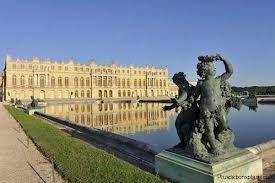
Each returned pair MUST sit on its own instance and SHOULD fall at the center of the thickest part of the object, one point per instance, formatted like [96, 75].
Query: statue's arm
[182, 97]
[228, 69]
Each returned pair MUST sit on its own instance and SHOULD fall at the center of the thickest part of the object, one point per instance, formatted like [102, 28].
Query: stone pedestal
[241, 167]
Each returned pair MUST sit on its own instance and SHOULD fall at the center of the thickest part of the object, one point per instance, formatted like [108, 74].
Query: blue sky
[156, 32]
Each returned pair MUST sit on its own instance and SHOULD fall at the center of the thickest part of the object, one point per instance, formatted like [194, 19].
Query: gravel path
[20, 161]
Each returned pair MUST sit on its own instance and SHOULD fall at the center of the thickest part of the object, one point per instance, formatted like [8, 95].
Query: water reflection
[121, 118]
[148, 123]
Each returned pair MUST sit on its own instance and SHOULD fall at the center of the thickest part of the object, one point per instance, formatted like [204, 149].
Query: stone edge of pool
[134, 144]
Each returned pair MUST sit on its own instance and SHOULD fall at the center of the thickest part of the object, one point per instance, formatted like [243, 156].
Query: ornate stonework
[45, 79]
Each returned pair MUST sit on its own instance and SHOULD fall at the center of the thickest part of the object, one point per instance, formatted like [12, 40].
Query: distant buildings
[47, 79]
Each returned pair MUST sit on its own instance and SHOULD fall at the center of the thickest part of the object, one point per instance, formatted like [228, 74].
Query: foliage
[257, 90]
[75, 159]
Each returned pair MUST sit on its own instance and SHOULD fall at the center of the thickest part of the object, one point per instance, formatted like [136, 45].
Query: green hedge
[75, 159]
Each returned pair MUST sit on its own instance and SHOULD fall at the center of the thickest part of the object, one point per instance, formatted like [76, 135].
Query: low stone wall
[260, 148]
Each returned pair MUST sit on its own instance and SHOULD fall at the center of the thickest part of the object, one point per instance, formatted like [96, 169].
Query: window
[30, 81]
[42, 81]
[128, 82]
[76, 94]
[109, 81]
[105, 93]
[123, 82]
[99, 81]
[88, 82]
[82, 82]
[100, 94]
[76, 82]
[66, 82]
[118, 82]
[105, 81]
[22, 81]
[52, 82]
[88, 94]
[95, 80]
[59, 82]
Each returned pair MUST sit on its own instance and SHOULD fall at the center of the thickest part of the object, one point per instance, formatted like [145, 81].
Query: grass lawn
[75, 159]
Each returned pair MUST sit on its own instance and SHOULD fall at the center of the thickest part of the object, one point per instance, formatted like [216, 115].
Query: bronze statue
[18, 102]
[34, 103]
[202, 124]
[189, 109]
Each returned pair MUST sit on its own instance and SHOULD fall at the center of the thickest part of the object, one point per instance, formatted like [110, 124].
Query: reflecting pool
[147, 122]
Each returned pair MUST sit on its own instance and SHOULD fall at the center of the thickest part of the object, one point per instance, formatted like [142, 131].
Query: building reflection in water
[120, 118]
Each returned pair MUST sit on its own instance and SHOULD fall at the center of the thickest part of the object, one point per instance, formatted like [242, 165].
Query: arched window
[139, 82]
[124, 93]
[135, 82]
[76, 82]
[52, 82]
[88, 82]
[119, 93]
[14, 80]
[82, 94]
[42, 81]
[22, 81]
[81, 82]
[160, 83]
[59, 82]
[99, 93]
[66, 82]
[110, 93]
[88, 94]
[129, 93]
[30, 81]
[76, 94]
[105, 93]
[164, 83]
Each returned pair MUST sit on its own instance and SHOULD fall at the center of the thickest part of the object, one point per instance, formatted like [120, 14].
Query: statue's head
[179, 78]
[206, 69]
[32, 97]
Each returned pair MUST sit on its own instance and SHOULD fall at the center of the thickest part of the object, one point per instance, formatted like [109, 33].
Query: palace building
[52, 80]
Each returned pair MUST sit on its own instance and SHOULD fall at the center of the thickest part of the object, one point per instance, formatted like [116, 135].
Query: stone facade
[47, 79]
